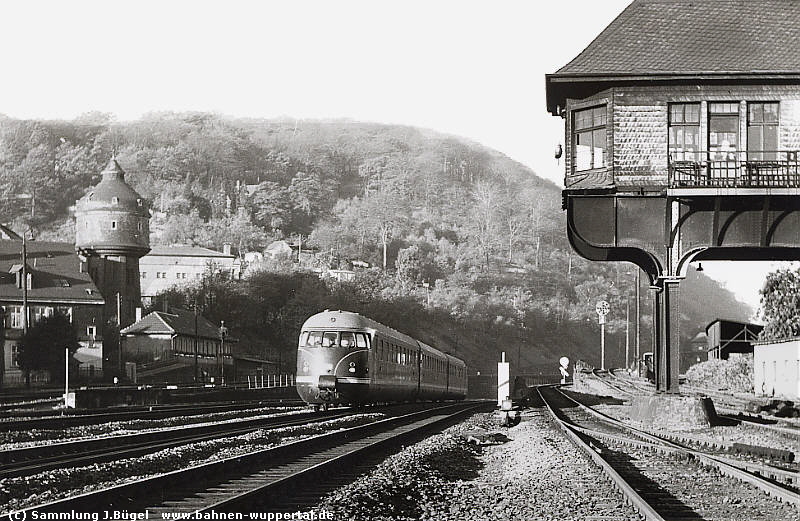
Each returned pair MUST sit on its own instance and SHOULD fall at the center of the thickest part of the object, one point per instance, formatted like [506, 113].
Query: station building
[172, 345]
[58, 282]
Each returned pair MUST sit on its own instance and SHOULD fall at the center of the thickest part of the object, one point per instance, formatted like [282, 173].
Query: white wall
[776, 369]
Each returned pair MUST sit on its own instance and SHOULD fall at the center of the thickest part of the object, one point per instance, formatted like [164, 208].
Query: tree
[387, 215]
[780, 305]
[484, 224]
[409, 265]
[42, 347]
[271, 206]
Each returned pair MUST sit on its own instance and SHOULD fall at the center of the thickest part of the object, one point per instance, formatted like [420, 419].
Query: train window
[361, 341]
[329, 338]
[304, 338]
[347, 339]
[314, 339]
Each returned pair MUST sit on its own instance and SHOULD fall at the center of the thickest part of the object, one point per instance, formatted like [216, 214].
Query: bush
[734, 374]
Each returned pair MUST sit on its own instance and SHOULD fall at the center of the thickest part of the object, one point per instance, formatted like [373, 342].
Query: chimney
[226, 248]
[81, 267]
[138, 314]
[165, 305]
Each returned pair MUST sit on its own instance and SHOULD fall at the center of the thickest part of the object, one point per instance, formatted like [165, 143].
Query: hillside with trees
[467, 247]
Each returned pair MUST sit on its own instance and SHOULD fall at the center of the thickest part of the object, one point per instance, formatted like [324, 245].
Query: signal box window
[590, 138]
[723, 130]
[684, 131]
[762, 131]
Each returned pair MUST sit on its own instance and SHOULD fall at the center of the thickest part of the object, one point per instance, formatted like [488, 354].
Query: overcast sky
[474, 69]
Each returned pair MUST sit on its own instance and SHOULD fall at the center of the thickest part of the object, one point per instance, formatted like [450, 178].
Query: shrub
[734, 374]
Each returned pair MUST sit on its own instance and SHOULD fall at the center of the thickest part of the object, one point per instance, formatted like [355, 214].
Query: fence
[742, 169]
[270, 380]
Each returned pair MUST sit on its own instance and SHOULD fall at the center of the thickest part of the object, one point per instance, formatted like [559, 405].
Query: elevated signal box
[682, 143]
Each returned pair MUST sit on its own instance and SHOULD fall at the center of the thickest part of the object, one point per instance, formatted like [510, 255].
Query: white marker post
[602, 309]
[503, 380]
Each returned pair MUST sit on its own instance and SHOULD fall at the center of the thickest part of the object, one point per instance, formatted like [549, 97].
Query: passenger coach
[346, 358]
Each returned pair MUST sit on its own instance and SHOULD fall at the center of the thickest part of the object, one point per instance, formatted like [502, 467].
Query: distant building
[168, 266]
[728, 338]
[164, 346]
[58, 282]
[279, 250]
[340, 275]
[695, 352]
[776, 369]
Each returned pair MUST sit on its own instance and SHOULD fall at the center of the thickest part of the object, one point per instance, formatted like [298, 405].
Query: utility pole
[627, 331]
[638, 320]
[195, 341]
[66, 377]
[119, 334]
[24, 283]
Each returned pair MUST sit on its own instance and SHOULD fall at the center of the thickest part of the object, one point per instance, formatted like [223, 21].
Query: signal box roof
[671, 39]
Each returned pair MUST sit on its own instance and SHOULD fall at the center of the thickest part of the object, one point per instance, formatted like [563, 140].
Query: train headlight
[352, 367]
[305, 367]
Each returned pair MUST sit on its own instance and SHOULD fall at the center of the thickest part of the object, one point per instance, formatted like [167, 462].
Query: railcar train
[347, 358]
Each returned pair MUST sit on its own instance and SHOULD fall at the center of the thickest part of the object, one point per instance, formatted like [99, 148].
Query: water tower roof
[112, 192]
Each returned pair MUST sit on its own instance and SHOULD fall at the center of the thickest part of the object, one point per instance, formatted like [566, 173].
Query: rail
[734, 169]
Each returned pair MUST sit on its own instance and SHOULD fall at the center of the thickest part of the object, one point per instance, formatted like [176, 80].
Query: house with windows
[168, 266]
[175, 346]
[57, 282]
[681, 143]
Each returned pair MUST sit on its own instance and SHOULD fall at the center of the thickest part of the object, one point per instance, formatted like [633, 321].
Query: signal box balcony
[734, 169]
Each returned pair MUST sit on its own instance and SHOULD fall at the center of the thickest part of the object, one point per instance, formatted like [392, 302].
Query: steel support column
[667, 356]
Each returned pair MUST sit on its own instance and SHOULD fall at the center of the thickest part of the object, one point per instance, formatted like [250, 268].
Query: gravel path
[536, 475]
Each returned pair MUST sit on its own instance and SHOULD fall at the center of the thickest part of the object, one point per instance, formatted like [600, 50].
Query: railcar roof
[431, 351]
[349, 320]
[455, 361]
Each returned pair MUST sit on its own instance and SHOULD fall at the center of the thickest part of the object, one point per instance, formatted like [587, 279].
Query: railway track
[665, 480]
[784, 428]
[31, 460]
[259, 479]
[50, 420]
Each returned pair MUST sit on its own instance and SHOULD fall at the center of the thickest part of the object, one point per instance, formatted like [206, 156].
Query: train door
[418, 365]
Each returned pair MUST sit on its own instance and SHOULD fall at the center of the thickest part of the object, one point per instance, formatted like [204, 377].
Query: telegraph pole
[24, 283]
[627, 331]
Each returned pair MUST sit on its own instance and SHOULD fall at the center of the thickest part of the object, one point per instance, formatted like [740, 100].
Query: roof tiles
[55, 270]
[695, 36]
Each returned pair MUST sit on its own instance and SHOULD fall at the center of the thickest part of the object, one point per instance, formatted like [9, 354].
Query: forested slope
[483, 231]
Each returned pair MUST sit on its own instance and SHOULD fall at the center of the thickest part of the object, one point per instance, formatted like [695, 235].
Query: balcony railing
[736, 169]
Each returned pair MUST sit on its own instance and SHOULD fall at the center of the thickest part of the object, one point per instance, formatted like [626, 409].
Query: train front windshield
[346, 339]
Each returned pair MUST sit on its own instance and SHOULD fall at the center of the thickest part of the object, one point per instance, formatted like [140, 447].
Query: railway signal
[602, 308]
